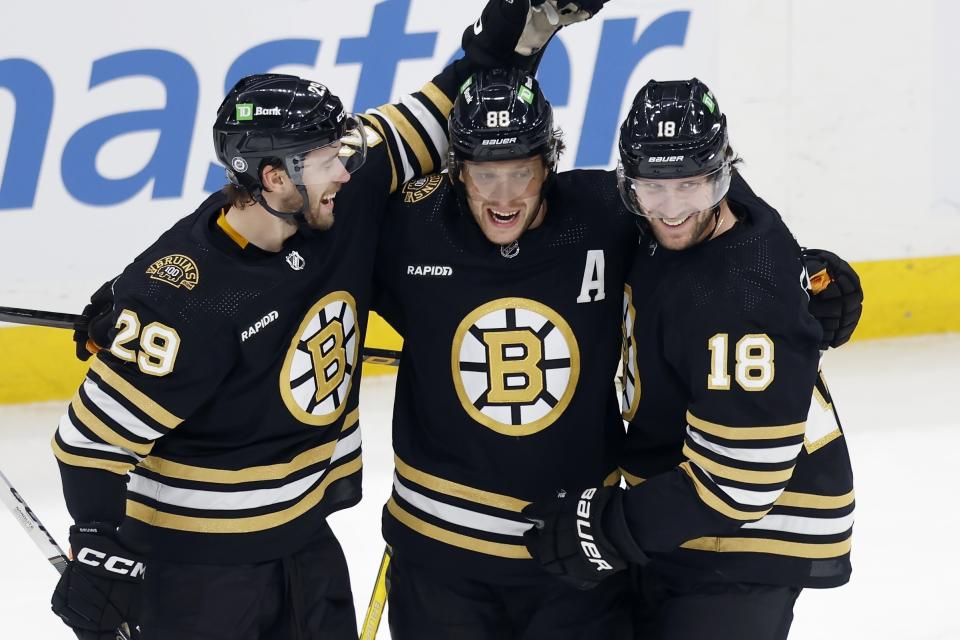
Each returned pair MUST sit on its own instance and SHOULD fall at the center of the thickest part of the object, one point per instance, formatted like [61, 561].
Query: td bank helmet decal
[515, 365]
[318, 369]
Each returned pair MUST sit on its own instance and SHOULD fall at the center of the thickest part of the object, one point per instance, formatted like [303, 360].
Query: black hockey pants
[672, 610]
[304, 596]
[425, 604]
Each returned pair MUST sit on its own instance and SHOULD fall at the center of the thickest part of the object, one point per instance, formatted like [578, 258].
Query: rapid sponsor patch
[435, 270]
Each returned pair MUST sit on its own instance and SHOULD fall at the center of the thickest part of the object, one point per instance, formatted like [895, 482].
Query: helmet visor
[674, 198]
[503, 180]
[329, 163]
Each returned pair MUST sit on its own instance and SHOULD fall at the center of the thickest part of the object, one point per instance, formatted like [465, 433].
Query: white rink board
[838, 109]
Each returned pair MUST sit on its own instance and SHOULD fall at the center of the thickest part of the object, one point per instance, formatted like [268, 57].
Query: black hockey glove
[582, 538]
[100, 589]
[514, 32]
[836, 296]
[98, 313]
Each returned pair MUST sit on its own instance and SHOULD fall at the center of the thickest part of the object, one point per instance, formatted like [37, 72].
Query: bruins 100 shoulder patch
[421, 188]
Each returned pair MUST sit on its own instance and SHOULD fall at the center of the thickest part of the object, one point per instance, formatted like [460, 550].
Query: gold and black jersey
[739, 467]
[221, 425]
[505, 389]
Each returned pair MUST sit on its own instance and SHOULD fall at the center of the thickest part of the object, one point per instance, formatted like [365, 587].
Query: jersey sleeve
[749, 364]
[414, 129]
[161, 368]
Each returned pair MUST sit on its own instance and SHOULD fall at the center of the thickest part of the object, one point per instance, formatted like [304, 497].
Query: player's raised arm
[508, 33]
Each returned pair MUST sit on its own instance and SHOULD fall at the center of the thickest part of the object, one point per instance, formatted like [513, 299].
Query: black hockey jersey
[739, 475]
[505, 390]
[229, 395]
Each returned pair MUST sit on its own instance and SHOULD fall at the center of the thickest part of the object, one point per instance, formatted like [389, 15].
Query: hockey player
[219, 428]
[742, 489]
[505, 279]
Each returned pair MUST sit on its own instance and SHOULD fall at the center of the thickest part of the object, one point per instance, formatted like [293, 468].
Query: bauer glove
[99, 314]
[836, 299]
[100, 589]
[582, 538]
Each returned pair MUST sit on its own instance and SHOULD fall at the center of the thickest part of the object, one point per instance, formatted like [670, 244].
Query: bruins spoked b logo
[515, 365]
[318, 370]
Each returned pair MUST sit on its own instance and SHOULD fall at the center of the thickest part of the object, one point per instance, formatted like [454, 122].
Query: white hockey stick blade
[32, 525]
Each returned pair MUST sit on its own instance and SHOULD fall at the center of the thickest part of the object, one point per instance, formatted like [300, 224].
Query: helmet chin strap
[298, 217]
[717, 221]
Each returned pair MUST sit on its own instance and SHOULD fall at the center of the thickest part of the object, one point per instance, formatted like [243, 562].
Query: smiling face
[680, 210]
[504, 196]
[322, 172]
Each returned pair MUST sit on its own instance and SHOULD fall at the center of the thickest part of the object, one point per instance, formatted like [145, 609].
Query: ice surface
[897, 400]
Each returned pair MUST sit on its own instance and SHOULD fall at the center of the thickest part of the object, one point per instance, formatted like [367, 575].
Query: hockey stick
[43, 318]
[39, 534]
[378, 599]
[57, 320]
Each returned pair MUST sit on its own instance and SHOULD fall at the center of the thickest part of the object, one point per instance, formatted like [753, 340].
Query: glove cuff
[97, 550]
[618, 531]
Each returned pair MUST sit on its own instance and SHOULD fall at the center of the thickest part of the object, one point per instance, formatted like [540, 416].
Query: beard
[695, 230]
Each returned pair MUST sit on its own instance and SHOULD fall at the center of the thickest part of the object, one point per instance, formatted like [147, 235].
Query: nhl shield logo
[515, 365]
[296, 261]
[629, 374]
[318, 369]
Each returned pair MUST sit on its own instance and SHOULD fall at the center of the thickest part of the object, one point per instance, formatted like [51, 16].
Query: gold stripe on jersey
[612, 480]
[102, 430]
[812, 447]
[746, 433]
[372, 121]
[777, 547]
[500, 549]
[631, 479]
[411, 137]
[438, 98]
[119, 468]
[170, 469]
[715, 503]
[813, 501]
[827, 407]
[250, 524]
[456, 489]
[228, 229]
[134, 395]
[733, 473]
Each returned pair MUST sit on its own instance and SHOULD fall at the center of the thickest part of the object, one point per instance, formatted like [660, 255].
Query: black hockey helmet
[277, 119]
[674, 130]
[500, 114]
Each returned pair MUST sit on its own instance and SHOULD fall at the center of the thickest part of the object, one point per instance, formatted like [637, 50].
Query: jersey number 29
[158, 344]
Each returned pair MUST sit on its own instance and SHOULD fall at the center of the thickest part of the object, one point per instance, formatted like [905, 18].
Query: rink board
[902, 297]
